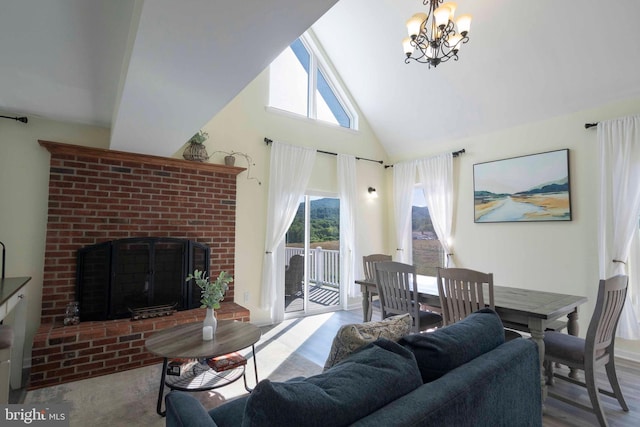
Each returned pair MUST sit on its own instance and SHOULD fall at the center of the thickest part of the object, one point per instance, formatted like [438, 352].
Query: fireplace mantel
[79, 150]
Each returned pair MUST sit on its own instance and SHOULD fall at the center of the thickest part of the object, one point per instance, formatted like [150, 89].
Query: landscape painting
[528, 188]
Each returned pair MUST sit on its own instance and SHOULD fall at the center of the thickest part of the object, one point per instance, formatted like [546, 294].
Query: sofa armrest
[184, 410]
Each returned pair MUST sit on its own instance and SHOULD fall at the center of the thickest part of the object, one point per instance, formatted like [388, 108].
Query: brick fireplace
[96, 195]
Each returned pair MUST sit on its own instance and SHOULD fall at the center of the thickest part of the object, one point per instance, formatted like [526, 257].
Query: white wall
[24, 189]
[241, 126]
[551, 256]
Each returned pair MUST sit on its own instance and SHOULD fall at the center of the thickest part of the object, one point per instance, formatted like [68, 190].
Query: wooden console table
[12, 292]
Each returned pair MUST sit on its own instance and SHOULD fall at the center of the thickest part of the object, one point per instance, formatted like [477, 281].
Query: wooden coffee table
[185, 342]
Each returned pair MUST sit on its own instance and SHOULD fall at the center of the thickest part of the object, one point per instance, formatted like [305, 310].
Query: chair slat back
[396, 284]
[463, 291]
[606, 315]
[369, 264]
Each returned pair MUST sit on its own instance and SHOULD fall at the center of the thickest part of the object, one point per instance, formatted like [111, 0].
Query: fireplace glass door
[119, 276]
[147, 274]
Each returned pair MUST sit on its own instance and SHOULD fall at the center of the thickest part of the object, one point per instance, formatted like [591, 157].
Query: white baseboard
[628, 355]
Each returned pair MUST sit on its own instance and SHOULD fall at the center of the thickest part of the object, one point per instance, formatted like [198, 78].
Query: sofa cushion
[498, 388]
[446, 348]
[350, 338]
[230, 413]
[361, 384]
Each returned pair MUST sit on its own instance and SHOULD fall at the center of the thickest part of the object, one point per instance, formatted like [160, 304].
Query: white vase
[209, 325]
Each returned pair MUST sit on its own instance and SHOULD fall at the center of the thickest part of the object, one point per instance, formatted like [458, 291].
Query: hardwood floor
[556, 413]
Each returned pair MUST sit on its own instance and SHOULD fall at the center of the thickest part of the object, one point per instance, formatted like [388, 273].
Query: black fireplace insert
[117, 277]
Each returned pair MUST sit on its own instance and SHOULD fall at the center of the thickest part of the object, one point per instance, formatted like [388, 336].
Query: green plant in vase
[211, 294]
[199, 137]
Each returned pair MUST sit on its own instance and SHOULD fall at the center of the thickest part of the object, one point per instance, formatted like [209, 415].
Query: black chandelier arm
[443, 52]
[446, 54]
[430, 9]
[446, 31]
[462, 41]
[418, 47]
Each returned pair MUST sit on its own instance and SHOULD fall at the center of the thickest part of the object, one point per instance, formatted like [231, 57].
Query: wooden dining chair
[369, 264]
[397, 284]
[589, 353]
[463, 291]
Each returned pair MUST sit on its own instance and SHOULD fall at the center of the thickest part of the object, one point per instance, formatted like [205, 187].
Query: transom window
[301, 83]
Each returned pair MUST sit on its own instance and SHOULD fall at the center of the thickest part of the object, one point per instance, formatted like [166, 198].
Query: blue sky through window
[332, 101]
[301, 53]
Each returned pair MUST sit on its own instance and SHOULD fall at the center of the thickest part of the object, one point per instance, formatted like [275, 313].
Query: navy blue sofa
[464, 374]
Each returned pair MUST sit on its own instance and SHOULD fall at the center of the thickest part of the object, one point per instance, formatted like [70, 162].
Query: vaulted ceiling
[155, 71]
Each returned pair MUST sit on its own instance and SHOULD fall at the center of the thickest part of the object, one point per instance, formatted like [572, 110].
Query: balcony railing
[323, 265]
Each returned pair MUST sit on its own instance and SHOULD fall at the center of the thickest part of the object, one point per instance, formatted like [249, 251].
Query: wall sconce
[372, 192]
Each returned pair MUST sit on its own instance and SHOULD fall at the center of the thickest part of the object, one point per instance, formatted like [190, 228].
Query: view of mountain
[325, 222]
[420, 220]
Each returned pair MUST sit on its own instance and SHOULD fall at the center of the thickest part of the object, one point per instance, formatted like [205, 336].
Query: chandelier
[433, 37]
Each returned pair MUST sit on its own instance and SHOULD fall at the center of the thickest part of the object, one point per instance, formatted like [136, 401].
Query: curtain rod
[454, 154]
[18, 119]
[269, 141]
[590, 125]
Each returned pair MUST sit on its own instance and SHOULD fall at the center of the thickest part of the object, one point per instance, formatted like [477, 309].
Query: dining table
[525, 310]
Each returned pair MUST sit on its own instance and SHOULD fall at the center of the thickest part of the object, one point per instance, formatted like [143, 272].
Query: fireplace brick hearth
[96, 195]
[63, 354]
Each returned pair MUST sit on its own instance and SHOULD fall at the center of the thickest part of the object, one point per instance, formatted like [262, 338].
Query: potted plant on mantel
[196, 149]
[230, 160]
[212, 293]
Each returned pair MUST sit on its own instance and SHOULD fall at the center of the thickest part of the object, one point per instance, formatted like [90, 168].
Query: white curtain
[348, 201]
[404, 179]
[619, 145]
[290, 171]
[436, 176]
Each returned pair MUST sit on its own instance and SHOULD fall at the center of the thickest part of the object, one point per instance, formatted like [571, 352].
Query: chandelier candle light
[433, 36]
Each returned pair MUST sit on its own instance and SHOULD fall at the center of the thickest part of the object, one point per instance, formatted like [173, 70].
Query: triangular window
[300, 82]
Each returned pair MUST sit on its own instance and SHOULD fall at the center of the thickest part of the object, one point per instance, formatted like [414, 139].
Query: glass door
[312, 270]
